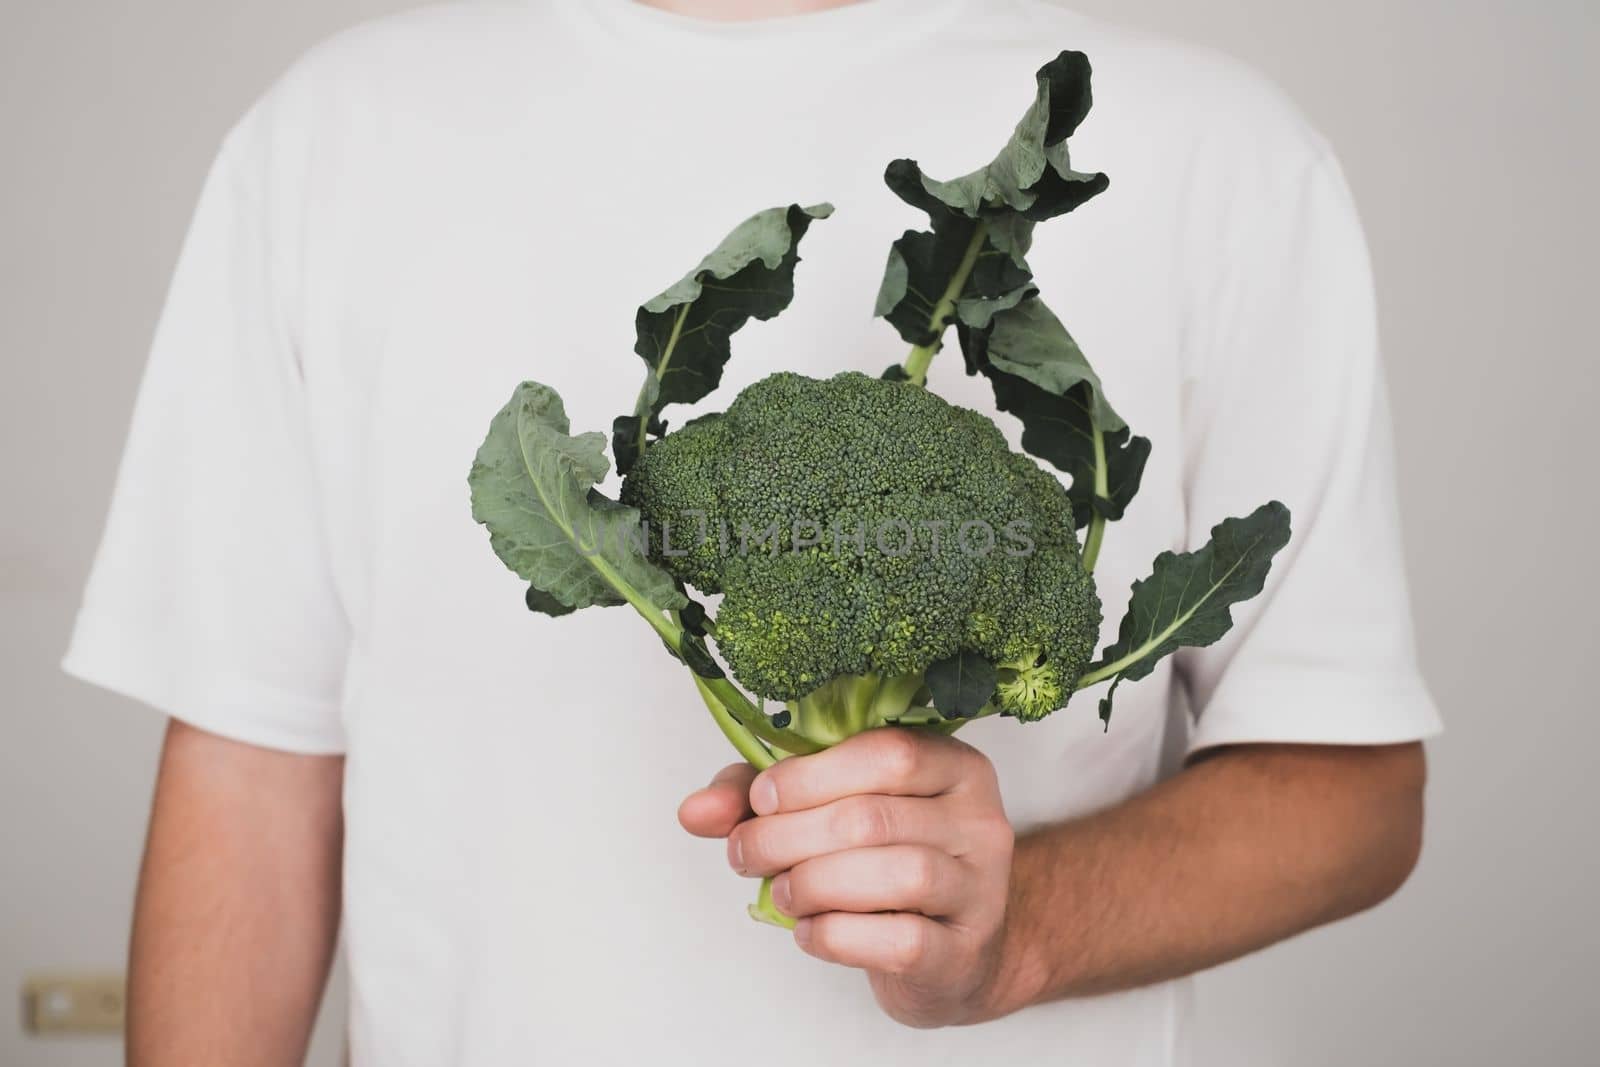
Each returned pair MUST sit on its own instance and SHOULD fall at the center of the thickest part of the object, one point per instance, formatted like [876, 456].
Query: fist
[893, 852]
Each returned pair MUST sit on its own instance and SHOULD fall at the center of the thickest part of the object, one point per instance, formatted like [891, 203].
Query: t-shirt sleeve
[1287, 400]
[211, 597]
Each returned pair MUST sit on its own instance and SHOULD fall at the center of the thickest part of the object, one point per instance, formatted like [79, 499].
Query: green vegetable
[531, 485]
[882, 557]
[1186, 600]
[683, 333]
[900, 532]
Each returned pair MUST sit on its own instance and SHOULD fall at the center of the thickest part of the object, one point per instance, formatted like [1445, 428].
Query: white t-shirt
[430, 208]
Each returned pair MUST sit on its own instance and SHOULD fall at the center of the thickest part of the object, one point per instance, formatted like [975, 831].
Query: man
[430, 208]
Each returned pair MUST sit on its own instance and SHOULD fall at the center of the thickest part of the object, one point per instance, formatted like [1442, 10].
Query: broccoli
[900, 530]
[882, 557]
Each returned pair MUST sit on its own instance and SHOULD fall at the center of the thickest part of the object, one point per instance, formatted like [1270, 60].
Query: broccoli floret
[863, 529]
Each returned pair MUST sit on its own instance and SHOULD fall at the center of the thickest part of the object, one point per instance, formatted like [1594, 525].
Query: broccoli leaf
[1030, 343]
[961, 684]
[921, 266]
[532, 486]
[1031, 179]
[972, 268]
[545, 604]
[1186, 599]
[683, 333]
[972, 264]
[1060, 431]
[698, 658]
[1105, 704]
[693, 616]
[1041, 376]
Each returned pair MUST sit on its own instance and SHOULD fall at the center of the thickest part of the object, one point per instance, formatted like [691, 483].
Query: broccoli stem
[741, 722]
[916, 365]
[1107, 671]
[753, 720]
[1102, 491]
[642, 406]
[851, 704]
[744, 742]
[893, 698]
[835, 710]
[758, 756]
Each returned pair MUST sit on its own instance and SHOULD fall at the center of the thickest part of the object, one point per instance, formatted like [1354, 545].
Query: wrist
[1020, 974]
[1020, 977]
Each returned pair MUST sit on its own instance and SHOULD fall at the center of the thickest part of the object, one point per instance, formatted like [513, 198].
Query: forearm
[1242, 849]
[238, 905]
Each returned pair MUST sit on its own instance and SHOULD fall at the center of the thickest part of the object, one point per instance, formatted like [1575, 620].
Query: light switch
[74, 1003]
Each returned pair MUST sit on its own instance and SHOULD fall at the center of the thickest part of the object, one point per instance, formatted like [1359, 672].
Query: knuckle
[899, 755]
[864, 822]
[908, 947]
[997, 832]
[976, 768]
[983, 769]
[921, 872]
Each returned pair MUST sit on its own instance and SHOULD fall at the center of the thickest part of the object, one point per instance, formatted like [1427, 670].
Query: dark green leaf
[1058, 429]
[921, 266]
[992, 210]
[1041, 376]
[1186, 599]
[533, 487]
[538, 600]
[626, 440]
[980, 195]
[698, 658]
[683, 333]
[1105, 704]
[693, 617]
[895, 373]
[1029, 342]
[961, 684]
[1032, 176]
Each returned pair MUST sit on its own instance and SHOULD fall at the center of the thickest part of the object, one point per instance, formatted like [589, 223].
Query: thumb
[715, 810]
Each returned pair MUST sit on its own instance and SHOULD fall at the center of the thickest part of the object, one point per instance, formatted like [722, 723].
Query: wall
[1459, 123]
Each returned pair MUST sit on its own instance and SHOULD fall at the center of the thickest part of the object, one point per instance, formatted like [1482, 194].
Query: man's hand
[897, 850]
[892, 850]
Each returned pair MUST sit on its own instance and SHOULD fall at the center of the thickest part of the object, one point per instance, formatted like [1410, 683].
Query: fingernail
[780, 892]
[802, 933]
[763, 795]
[736, 854]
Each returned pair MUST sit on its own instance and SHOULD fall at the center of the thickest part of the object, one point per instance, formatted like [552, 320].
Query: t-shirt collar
[829, 35]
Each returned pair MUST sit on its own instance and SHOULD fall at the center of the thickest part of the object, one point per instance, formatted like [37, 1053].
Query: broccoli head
[860, 528]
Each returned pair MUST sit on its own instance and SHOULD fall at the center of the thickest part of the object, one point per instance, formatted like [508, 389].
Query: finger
[894, 761]
[897, 943]
[769, 844]
[715, 810]
[895, 878]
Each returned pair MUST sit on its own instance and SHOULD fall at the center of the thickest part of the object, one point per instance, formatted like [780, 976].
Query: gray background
[1467, 131]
